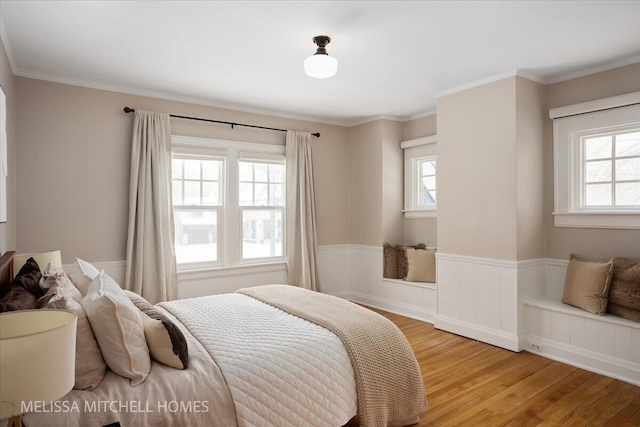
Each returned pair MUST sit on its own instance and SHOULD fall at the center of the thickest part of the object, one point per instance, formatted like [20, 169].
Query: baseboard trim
[406, 310]
[480, 333]
[585, 359]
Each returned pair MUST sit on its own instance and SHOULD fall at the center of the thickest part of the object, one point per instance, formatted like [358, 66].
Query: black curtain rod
[131, 110]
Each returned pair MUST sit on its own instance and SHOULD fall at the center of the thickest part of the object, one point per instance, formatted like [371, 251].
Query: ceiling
[394, 57]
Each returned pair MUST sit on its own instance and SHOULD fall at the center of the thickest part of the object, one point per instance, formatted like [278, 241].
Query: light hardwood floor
[469, 383]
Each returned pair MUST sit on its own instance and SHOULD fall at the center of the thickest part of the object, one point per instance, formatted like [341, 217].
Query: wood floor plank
[469, 383]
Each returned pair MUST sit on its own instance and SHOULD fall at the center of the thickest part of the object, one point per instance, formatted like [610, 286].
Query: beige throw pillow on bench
[586, 285]
[421, 265]
[395, 260]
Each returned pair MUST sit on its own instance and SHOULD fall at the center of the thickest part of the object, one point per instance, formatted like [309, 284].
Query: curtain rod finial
[128, 110]
[317, 134]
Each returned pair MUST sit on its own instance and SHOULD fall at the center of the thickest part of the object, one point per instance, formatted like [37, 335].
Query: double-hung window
[262, 208]
[597, 166]
[228, 201]
[198, 208]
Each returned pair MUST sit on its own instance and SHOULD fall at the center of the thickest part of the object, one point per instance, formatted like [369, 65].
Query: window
[197, 205]
[228, 200]
[262, 209]
[610, 170]
[420, 180]
[426, 182]
[597, 168]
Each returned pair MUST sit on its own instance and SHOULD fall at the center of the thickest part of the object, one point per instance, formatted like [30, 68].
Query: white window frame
[230, 222]
[568, 135]
[416, 151]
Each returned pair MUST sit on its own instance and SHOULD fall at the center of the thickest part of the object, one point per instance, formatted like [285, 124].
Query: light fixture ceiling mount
[320, 65]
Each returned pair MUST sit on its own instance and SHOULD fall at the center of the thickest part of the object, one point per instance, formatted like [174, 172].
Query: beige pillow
[421, 265]
[166, 342]
[62, 295]
[586, 285]
[117, 325]
[82, 274]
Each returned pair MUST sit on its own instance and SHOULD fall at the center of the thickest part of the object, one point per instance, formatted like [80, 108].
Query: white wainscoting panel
[115, 269]
[607, 344]
[555, 271]
[482, 298]
[367, 287]
[224, 280]
[334, 269]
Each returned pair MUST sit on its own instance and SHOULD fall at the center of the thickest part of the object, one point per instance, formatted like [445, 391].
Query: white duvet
[253, 365]
[281, 370]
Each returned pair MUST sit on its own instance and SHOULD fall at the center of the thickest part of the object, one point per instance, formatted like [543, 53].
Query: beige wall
[420, 230]
[72, 165]
[530, 118]
[417, 128]
[593, 244]
[477, 171]
[365, 184]
[8, 229]
[392, 182]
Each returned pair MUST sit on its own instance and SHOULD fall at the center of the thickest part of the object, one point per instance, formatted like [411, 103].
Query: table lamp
[42, 258]
[37, 360]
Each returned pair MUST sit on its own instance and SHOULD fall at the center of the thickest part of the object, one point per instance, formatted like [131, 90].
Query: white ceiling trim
[375, 118]
[491, 79]
[4, 39]
[173, 97]
[431, 112]
[593, 70]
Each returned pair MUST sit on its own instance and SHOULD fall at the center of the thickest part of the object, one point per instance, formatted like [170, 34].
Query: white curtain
[302, 241]
[151, 262]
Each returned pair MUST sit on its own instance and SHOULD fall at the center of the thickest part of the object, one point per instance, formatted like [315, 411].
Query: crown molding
[491, 79]
[431, 112]
[374, 119]
[593, 70]
[4, 38]
[173, 97]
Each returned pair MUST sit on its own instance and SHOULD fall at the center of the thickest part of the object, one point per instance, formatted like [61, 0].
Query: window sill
[236, 270]
[619, 220]
[420, 213]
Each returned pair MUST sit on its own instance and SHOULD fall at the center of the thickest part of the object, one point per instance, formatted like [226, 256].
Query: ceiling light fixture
[320, 65]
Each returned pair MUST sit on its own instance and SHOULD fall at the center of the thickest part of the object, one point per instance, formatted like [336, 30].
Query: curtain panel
[151, 263]
[302, 240]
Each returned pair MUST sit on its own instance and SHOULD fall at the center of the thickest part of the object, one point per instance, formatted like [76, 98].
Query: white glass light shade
[37, 358]
[321, 66]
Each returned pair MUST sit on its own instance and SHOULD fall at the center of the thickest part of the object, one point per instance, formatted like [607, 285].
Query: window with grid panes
[198, 204]
[610, 170]
[261, 203]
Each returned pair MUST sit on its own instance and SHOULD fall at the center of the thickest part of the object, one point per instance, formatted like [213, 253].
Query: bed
[274, 355]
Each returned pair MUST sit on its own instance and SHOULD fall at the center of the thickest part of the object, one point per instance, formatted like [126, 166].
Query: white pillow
[62, 295]
[117, 325]
[81, 274]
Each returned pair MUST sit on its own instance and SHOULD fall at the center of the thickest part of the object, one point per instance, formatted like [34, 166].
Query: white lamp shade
[321, 66]
[42, 258]
[37, 358]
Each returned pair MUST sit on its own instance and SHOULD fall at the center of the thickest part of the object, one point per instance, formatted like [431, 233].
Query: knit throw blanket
[388, 381]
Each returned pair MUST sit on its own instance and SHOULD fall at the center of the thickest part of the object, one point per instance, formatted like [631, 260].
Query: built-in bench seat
[428, 285]
[560, 307]
[606, 344]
